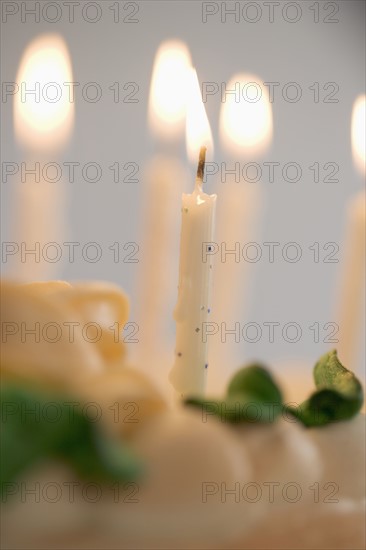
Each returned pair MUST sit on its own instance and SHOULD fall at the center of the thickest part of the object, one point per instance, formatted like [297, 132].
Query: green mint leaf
[36, 426]
[256, 382]
[339, 396]
[252, 396]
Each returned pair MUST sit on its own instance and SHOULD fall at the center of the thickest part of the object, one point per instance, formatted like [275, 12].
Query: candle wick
[201, 163]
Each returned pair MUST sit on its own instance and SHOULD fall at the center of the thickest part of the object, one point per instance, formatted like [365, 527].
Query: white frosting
[202, 478]
[185, 458]
[181, 453]
[342, 447]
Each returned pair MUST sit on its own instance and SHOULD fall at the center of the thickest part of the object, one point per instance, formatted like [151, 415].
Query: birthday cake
[95, 457]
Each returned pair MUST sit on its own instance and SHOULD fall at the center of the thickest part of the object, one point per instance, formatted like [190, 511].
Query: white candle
[246, 129]
[43, 128]
[195, 268]
[351, 296]
[158, 267]
[351, 291]
[164, 179]
[238, 215]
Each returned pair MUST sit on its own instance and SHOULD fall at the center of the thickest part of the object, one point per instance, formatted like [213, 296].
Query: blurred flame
[358, 132]
[41, 124]
[198, 131]
[246, 122]
[167, 101]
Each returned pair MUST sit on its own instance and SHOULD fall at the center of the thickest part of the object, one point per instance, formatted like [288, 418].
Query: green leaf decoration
[339, 395]
[257, 382]
[36, 426]
[252, 396]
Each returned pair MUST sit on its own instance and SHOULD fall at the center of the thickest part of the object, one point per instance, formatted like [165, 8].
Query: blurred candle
[164, 178]
[351, 291]
[358, 133]
[245, 133]
[43, 123]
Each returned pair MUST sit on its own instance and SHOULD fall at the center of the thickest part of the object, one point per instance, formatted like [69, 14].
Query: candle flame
[43, 112]
[167, 101]
[246, 116]
[358, 131]
[198, 131]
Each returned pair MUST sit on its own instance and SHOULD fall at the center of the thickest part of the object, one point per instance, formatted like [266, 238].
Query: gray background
[304, 132]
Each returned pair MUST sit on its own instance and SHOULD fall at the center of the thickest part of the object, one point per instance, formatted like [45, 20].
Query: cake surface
[205, 481]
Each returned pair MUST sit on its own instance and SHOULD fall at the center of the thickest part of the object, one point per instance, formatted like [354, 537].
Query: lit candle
[245, 131]
[43, 128]
[351, 294]
[164, 179]
[351, 290]
[198, 210]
